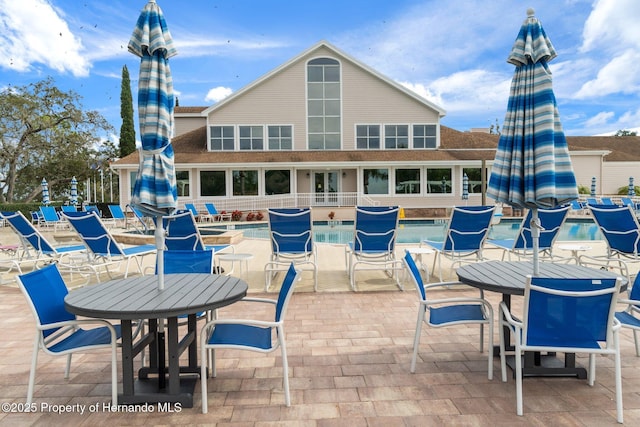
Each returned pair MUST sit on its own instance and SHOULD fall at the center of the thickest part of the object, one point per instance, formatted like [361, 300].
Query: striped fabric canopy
[45, 192]
[155, 192]
[465, 187]
[532, 167]
[73, 199]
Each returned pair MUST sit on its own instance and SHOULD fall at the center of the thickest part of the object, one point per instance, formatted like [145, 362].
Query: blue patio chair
[69, 208]
[118, 215]
[443, 312]
[249, 334]
[592, 201]
[196, 215]
[183, 234]
[93, 208]
[630, 316]
[551, 221]
[60, 333]
[607, 201]
[569, 316]
[36, 218]
[620, 228]
[50, 218]
[34, 247]
[578, 207]
[374, 242]
[628, 201]
[464, 237]
[102, 246]
[215, 215]
[291, 235]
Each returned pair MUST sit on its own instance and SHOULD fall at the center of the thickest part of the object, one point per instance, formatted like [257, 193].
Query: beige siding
[187, 124]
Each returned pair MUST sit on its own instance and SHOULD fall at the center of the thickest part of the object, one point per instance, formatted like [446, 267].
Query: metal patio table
[508, 278]
[139, 298]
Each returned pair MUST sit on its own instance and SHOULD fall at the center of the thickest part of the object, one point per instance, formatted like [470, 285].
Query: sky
[453, 53]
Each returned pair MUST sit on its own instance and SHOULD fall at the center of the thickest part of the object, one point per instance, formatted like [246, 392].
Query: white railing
[299, 200]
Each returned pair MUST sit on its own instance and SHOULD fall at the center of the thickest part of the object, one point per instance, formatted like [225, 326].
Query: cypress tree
[127, 130]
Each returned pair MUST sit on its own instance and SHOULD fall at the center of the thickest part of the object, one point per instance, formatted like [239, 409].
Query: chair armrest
[448, 284]
[261, 300]
[507, 316]
[248, 322]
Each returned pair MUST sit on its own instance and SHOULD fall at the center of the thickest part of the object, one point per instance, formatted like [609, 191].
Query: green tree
[623, 132]
[127, 130]
[45, 132]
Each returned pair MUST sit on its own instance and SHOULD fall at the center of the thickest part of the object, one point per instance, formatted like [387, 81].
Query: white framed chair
[444, 312]
[464, 238]
[60, 333]
[565, 315]
[248, 334]
[630, 317]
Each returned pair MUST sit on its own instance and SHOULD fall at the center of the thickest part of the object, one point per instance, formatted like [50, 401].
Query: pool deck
[349, 355]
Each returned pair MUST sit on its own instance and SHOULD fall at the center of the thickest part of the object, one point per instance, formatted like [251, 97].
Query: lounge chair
[443, 312]
[118, 215]
[464, 237]
[627, 201]
[196, 215]
[607, 201]
[215, 215]
[103, 247]
[182, 234]
[60, 333]
[34, 247]
[620, 228]
[291, 235]
[569, 316]
[578, 207]
[250, 334]
[374, 241]
[551, 221]
[50, 218]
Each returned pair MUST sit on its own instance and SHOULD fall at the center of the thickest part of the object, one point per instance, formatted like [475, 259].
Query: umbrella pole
[160, 339]
[535, 236]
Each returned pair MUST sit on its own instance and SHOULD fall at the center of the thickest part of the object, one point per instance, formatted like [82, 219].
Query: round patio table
[137, 298]
[508, 278]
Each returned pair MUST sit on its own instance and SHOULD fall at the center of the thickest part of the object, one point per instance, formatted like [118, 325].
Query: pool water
[414, 231]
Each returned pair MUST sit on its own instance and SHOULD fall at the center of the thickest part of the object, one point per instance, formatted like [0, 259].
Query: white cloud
[33, 32]
[218, 94]
[620, 75]
[611, 25]
[600, 119]
[472, 90]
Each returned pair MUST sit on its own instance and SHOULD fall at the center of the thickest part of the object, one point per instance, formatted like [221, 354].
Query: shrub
[259, 216]
[250, 216]
[236, 215]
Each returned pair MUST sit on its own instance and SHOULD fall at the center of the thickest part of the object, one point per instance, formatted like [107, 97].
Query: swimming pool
[414, 231]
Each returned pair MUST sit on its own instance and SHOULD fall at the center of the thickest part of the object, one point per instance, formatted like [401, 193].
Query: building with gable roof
[324, 129]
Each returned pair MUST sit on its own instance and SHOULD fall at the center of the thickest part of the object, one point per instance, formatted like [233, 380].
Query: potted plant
[332, 214]
[236, 215]
[259, 216]
[250, 216]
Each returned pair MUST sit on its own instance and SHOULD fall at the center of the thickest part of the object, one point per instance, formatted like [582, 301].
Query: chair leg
[592, 369]
[416, 339]
[503, 358]
[285, 368]
[618, 374]
[518, 357]
[34, 364]
[636, 339]
[67, 368]
[490, 349]
[203, 375]
[114, 375]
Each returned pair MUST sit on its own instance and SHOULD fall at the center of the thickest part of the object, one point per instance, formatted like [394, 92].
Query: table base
[146, 391]
[547, 365]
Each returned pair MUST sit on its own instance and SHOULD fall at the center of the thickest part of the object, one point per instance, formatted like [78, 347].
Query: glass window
[182, 182]
[251, 137]
[245, 182]
[222, 138]
[439, 181]
[424, 136]
[277, 182]
[475, 179]
[132, 180]
[396, 136]
[213, 183]
[280, 137]
[407, 181]
[376, 181]
[323, 104]
[368, 137]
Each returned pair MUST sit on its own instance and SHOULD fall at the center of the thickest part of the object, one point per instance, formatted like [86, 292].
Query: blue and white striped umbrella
[631, 192]
[593, 186]
[154, 192]
[532, 166]
[73, 199]
[465, 187]
[45, 192]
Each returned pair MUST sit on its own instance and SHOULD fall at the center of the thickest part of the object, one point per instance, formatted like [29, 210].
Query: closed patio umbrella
[73, 199]
[631, 192]
[593, 186]
[465, 187]
[532, 167]
[45, 192]
[155, 193]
